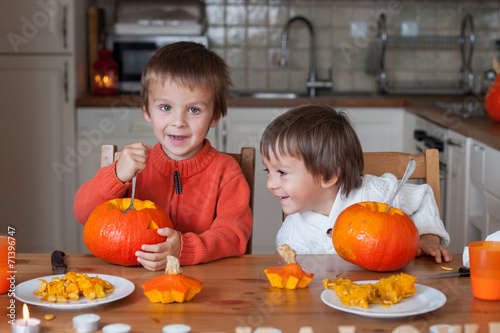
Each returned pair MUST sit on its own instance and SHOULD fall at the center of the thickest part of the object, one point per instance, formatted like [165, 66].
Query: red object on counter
[105, 75]
[492, 101]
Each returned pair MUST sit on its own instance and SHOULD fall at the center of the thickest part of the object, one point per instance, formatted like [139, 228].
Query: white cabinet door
[379, 129]
[243, 127]
[29, 26]
[457, 190]
[38, 164]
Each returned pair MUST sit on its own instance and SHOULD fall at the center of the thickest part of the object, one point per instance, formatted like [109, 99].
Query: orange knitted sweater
[212, 214]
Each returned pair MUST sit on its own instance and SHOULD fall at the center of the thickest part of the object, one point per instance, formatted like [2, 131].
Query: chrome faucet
[312, 84]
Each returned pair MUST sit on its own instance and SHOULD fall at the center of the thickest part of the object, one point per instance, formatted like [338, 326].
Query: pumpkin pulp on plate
[386, 291]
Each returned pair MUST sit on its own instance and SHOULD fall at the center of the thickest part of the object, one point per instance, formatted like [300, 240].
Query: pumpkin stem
[287, 253]
[173, 266]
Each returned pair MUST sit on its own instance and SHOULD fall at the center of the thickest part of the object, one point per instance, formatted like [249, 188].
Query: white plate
[25, 293]
[426, 299]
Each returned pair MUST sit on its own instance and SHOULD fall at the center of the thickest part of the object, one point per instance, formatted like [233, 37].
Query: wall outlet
[358, 29]
[409, 28]
[274, 57]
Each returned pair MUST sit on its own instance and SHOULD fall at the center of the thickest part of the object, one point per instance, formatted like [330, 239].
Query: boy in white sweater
[314, 165]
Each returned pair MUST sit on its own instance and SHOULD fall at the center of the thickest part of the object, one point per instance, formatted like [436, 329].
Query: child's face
[181, 117]
[295, 187]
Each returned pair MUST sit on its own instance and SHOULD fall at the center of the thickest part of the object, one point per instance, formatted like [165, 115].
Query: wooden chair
[246, 160]
[427, 168]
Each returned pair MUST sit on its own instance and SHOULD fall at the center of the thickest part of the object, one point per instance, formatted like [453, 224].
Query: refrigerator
[39, 61]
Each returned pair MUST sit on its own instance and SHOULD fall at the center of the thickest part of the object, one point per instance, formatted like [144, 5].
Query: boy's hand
[132, 160]
[154, 257]
[429, 244]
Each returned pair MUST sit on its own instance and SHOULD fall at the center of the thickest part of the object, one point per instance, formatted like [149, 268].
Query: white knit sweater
[305, 232]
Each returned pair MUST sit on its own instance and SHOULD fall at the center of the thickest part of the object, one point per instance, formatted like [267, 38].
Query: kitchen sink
[464, 109]
[294, 95]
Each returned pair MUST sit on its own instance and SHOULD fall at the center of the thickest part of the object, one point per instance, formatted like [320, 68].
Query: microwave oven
[133, 52]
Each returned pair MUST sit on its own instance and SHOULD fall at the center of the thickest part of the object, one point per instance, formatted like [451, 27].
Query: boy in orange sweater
[183, 94]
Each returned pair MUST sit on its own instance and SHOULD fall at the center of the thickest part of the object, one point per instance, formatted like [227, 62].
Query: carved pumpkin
[492, 101]
[115, 237]
[173, 286]
[292, 276]
[365, 235]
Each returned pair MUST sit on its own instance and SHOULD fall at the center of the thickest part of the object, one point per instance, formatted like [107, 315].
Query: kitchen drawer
[492, 214]
[477, 161]
[492, 171]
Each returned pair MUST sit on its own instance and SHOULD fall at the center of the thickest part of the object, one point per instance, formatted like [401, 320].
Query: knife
[58, 265]
[462, 272]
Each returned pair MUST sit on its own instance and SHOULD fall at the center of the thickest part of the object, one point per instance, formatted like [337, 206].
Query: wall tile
[244, 32]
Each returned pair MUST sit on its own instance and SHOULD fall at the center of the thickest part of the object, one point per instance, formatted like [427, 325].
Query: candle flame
[26, 312]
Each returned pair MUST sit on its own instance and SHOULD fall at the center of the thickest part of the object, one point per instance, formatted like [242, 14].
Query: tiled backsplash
[247, 32]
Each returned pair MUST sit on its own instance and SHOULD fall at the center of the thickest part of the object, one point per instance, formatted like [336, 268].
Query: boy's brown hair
[192, 65]
[322, 138]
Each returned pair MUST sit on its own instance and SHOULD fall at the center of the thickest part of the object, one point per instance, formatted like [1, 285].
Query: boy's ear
[145, 113]
[214, 122]
[330, 182]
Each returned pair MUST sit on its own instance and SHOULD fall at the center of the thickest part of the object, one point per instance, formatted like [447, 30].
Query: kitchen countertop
[482, 129]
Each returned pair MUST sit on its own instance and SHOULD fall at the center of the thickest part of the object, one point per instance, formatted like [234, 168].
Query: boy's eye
[194, 110]
[266, 170]
[282, 173]
[165, 107]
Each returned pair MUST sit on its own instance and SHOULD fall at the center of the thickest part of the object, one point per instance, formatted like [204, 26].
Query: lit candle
[27, 324]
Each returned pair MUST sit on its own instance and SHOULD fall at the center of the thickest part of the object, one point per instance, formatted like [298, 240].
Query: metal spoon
[408, 172]
[132, 197]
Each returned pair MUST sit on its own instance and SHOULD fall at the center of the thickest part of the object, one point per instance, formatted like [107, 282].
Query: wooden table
[236, 292]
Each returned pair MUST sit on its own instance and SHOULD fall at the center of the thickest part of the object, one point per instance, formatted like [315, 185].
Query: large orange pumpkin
[365, 235]
[115, 237]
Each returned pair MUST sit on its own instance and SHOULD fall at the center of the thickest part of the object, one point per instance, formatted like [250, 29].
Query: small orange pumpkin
[173, 286]
[492, 101]
[292, 276]
[115, 237]
[365, 235]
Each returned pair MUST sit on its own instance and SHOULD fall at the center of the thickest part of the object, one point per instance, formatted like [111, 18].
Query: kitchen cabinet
[458, 150]
[379, 129]
[38, 84]
[38, 170]
[484, 192]
[28, 26]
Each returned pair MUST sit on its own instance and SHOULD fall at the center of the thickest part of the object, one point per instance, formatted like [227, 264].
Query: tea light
[176, 328]
[27, 324]
[86, 323]
[116, 328]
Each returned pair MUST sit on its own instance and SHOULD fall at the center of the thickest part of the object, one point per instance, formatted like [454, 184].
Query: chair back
[246, 160]
[427, 169]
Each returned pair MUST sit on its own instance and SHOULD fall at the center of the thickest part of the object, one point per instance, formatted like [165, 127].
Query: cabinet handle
[65, 82]
[224, 137]
[65, 27]
[451, 142]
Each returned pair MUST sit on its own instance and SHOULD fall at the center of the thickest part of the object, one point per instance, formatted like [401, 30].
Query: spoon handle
[408, 172]
[134, 179]
[131, 206]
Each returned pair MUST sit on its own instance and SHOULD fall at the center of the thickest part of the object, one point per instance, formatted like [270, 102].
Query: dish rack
[463, 85]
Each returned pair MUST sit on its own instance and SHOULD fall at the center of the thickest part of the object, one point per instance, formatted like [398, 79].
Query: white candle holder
[31, 325]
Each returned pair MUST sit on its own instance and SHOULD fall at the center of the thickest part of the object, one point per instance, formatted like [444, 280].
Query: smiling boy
[184, 88]
[314, 164]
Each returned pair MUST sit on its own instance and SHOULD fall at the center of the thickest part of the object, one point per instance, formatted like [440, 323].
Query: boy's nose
[178, 120]
[271, 183]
